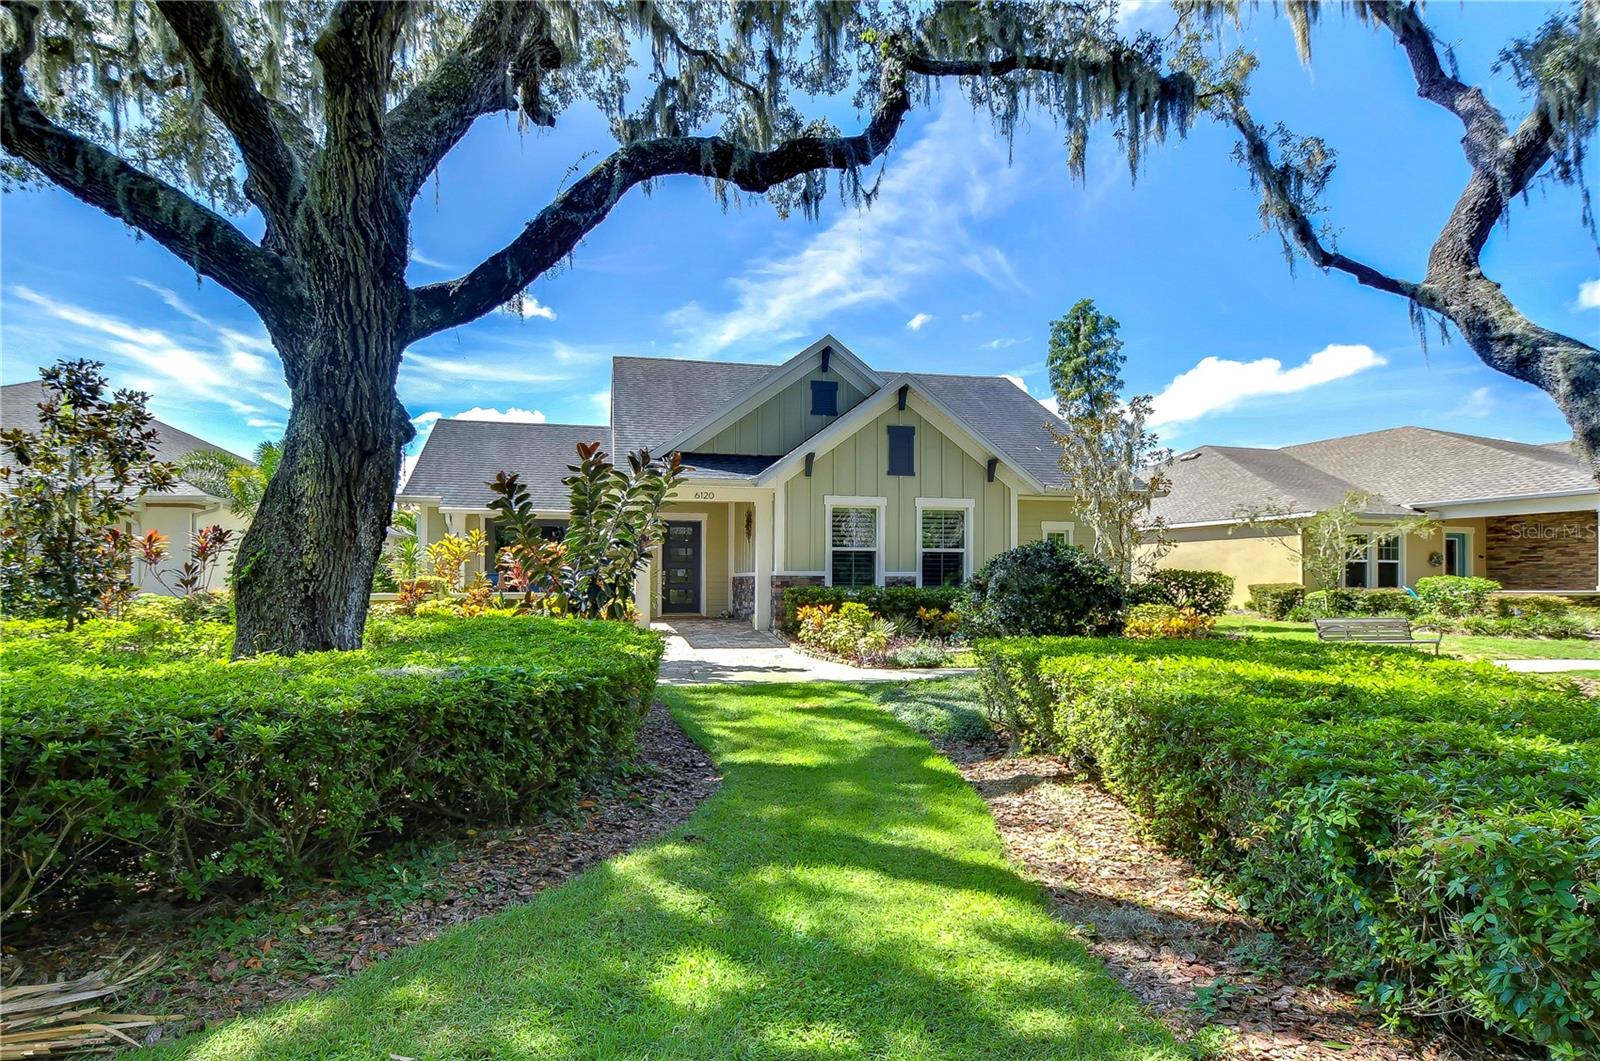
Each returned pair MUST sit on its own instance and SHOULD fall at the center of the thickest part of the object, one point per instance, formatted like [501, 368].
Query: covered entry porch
[715, 560]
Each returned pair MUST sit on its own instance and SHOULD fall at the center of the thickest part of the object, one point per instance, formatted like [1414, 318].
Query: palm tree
[227, 475]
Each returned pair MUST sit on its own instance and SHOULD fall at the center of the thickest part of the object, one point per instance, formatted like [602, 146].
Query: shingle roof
[1422, 464]
[1400, 467]
[720, 464]
[653, 398]
[462, 456]
[19, 407]
[1005, 414]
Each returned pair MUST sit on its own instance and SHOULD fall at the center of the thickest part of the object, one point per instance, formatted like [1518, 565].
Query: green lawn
[844, 895]
[1468, 646]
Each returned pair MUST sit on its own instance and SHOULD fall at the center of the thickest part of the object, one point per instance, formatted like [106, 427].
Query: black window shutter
[902, 451]
[824, 397]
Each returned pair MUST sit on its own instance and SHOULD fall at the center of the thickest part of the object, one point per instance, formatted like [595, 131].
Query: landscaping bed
[221, 959]
[139, 762]
[1429, 825]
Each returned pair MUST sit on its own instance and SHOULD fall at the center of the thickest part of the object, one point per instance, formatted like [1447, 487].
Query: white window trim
[1058, 526]
[966, 506]
[1372, 535]
[833, 501]
[1472, 545]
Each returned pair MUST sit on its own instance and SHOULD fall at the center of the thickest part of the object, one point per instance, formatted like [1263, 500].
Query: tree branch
[1293, 220]
[199, 236]
[471, 81]
[274, 179]
[556, 231]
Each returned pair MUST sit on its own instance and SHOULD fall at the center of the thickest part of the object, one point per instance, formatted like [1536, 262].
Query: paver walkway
[702, 651]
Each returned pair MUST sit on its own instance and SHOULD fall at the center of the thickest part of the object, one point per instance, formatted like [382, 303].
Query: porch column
[641, 592]
[761, 618]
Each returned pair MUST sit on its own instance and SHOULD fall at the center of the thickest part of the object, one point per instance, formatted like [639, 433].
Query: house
[1524, 515]
[821, 471]
[176, 512]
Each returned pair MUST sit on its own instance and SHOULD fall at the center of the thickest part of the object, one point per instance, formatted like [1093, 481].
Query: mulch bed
[226, 962]
[1181, 947]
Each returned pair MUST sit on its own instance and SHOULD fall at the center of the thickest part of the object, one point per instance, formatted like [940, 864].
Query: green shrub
[1274, 600]
[1456, 594]
[1334, 603]
[1553, 626]
[1044, 587]
[1521, 605]
[1164, 620]
[919, 654]
[1432, 825]
[136, 755]
[1205, 592]
[898, 604]
[943, 710]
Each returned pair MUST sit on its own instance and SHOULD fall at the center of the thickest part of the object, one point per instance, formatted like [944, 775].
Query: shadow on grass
[843, 895]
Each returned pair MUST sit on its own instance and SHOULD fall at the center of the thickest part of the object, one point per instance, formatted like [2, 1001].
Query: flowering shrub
[1163, 620]
[849, 630]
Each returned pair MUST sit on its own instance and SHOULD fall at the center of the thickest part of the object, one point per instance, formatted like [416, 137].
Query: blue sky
[958, 267]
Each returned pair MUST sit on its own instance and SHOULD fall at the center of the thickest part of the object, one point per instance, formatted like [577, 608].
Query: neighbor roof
[461, 457]
[19, 407]
[1404, 469]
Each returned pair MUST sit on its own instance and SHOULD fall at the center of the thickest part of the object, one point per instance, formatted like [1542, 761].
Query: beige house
[1524, 515]
[820, 471]
[176, 512]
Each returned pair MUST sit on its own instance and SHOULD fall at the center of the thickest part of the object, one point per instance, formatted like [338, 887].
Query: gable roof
[1007, 417]
[19, 407]
[461, 457]
[1405, 469]
[653, 398]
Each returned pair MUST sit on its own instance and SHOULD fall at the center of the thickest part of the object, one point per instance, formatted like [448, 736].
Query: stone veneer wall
[744, 596]
[780, 583]
[1549, 551]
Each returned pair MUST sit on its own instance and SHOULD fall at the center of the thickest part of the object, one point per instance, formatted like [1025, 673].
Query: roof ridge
[698, 361]
[519, 423]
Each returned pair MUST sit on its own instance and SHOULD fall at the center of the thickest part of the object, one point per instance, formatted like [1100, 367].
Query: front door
[681, 560]
[1455, 554]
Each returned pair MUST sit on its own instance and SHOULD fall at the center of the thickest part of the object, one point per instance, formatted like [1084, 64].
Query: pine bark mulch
[1185, 951]
[223, 963]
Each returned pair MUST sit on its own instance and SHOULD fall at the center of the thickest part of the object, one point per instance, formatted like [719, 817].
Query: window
[1355, 571]
[1057, 531]
[1374, 563]
[1386, 560]
[902, 451]
[824, 397]
[942, 555]
[853, 545]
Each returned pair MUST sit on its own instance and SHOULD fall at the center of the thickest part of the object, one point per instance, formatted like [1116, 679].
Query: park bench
[1374, 631]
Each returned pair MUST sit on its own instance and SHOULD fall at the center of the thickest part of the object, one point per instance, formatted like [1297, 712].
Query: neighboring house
[816, 471]
[177, 512]
[1521, 514]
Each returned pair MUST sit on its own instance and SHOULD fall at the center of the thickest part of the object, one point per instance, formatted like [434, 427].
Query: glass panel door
[680, 561]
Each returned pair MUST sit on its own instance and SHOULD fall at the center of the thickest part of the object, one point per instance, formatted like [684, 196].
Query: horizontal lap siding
[858, 466]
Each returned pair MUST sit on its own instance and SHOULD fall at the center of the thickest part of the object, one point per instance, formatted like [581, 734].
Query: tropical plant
[207, 546]
[1115, 463]
[450, 554]
[614, 520]
[402, 556]
[242, 483]
[66, 491]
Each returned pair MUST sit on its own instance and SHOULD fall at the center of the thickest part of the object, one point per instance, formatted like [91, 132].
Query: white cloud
[922, 223]
[1052, 404]
[425, 421]
[475, 368]
[1015, 379]
[511, 416]
[532, 307]
[999, 344]
[433, 263]
[258, 422]
[976, 314]
[210, 371]
[602, 401]
[916, 323]
[1478, 403]
[1588, 295]
[1216, 384]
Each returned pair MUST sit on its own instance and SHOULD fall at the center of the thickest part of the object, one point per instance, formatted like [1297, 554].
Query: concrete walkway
[707, 651]
[1547, 666]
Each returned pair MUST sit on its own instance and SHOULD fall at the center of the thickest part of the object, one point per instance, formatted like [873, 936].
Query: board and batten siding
[784, 420]
[858, 467]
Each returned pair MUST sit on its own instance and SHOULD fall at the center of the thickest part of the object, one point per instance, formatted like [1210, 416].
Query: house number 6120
[705, 495]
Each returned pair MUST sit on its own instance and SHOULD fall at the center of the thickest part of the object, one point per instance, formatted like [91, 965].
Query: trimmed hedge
[898, 604]
[1433, 826]
[135, 755]
[1455, 595]
[1274, 600]
[1204, 592]
[1326, 603]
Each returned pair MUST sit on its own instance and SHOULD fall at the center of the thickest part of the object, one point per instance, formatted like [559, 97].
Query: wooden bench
[1374, 631]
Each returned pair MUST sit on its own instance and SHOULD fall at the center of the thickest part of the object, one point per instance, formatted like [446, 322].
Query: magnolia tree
[336, 114]
[1115, 462]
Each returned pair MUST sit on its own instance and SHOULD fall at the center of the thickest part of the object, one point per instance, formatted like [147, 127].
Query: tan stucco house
[176, 512]
[820, 470]
[1524, 515]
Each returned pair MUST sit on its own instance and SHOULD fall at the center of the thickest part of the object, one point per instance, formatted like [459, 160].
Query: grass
[844, 895]
[1467, 646]
[943, 710]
